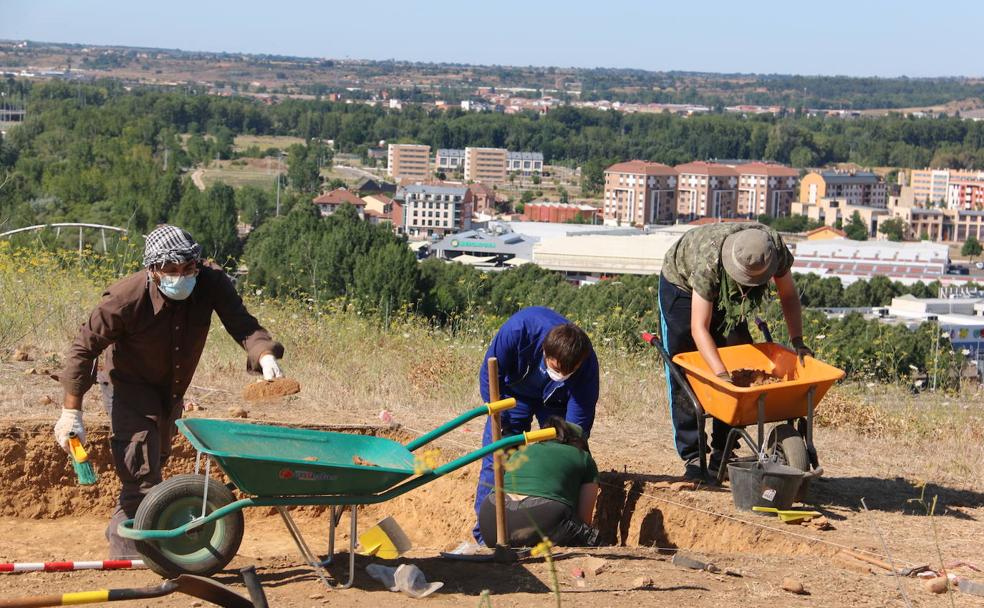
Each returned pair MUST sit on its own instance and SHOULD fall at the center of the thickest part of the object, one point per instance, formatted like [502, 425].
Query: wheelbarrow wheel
[791, 447]
[202, 551]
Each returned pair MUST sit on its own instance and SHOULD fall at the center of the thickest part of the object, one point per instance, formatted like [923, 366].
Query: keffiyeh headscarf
[170, 244]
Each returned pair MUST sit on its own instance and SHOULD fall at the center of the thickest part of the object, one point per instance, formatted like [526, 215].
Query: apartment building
[966, 192]
[861, 188]
[638, 193]
[435, 209]
[449, 159]
[408, 162]
[486, 164]
[525, 163]
[942, 225]
[765, 189]
[955, 187]
[706, 190]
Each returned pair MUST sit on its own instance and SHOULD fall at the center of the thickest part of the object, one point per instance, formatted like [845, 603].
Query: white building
[852, 260]
[437, 210]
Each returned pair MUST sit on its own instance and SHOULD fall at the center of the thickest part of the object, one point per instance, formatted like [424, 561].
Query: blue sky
[857, 38]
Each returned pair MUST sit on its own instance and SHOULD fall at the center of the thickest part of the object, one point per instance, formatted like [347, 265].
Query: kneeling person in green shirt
[551, 488]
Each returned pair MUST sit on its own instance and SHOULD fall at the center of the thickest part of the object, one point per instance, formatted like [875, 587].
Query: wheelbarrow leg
[312, 561]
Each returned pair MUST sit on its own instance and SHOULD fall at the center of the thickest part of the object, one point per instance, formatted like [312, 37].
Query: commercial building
[329, 202]
[542, 211]
[765, 189]
[408, 162]
[435, 209]
[449, 159]
[589, 257]
[525, 163]
[486, 164]
[859, 188]
[484, 249]
[958, 189]
[640, 193]
[706, 190]
[853, 260]
[961, 319]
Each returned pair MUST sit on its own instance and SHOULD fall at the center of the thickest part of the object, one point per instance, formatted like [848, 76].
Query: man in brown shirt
[152, 325]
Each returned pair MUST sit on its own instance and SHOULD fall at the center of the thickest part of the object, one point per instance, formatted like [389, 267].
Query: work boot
[692, 470]
[718, 460]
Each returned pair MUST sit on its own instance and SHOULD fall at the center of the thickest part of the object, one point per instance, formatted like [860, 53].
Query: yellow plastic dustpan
[788, 516]
[385, 540]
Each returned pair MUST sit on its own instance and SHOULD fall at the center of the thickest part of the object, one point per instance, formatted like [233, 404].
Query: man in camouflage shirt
[712, 279]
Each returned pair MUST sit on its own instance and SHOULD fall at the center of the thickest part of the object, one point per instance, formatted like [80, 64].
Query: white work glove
[70, 422]
[270, 367]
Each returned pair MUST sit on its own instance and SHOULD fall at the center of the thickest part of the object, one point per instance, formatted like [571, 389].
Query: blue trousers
[515, 421]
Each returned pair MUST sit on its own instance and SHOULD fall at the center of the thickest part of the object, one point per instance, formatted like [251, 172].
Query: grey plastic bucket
[766, 484]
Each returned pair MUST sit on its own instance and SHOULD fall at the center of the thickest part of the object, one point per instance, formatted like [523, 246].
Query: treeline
[790, 91]
[340, 257]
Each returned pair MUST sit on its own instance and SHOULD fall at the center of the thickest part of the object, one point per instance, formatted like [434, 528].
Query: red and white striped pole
[112, 564]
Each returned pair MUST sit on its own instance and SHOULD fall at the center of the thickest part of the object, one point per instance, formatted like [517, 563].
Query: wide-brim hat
[749, 257]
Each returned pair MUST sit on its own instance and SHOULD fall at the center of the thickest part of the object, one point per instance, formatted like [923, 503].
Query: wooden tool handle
[865, 558]
[498, 470]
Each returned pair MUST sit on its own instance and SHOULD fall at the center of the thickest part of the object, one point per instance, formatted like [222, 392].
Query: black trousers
[674, 311]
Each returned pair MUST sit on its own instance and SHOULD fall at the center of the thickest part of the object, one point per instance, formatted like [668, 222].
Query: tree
[855, 229]
[564, 198]
[254, 205]
[302, 168]
[210, 217]
[893, 228]
[386, 278]
[971, 247]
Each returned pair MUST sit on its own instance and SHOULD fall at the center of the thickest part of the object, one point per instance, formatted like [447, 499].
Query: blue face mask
[177, 288]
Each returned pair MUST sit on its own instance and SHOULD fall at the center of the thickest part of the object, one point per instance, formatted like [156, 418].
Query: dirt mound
[37, 481]
[272, 389]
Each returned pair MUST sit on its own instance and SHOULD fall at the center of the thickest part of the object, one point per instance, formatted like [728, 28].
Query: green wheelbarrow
[193, 524]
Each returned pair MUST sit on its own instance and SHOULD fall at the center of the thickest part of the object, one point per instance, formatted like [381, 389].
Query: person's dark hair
[569, 345]
[566, 434]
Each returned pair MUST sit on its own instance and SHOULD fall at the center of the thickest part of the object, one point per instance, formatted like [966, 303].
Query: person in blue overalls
[548, 365]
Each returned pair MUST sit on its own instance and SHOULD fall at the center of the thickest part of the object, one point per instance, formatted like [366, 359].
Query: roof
[525, 156]
[369, 184]
[434, 189]
[450, 152]
[605, 254]
[382, 198]
[718, 220]
[478, 188]
[641, 167]
[705, 168]
[839, 233]
[339, 196]
[857, 177]
[770, 169]
[553, 205]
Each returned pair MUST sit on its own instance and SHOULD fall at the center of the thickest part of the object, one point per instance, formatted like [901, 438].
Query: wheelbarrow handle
[653, 340]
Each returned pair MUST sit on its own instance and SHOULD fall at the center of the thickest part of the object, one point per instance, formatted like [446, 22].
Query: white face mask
[556, 376]
[177, 287]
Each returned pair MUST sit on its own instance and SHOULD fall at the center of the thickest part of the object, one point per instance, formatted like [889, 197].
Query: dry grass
[243, 142]
[351, 367]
